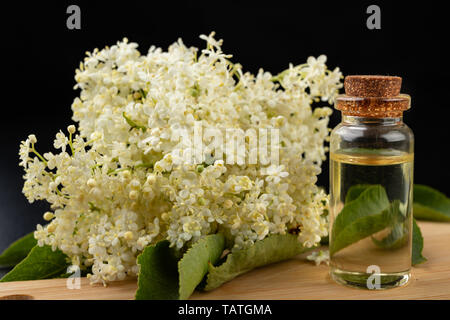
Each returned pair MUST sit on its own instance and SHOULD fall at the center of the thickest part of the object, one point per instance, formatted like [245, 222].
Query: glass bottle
[371, 181]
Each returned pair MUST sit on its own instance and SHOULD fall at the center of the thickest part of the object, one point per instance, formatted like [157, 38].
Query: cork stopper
[373, 96]
[372, 86]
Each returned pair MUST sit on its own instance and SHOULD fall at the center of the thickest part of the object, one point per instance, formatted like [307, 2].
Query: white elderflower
[60, 141]
[275, 173]
[319, 256]
[121, 182]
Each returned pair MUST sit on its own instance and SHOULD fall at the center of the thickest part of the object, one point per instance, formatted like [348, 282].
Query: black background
[41, 55]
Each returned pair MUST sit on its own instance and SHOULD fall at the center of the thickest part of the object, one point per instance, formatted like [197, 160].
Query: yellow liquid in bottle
[386, 252]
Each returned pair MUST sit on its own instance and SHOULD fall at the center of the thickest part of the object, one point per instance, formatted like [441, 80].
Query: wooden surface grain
[292, 279]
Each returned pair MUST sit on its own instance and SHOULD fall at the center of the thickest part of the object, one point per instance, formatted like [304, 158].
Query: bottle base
[370, 281]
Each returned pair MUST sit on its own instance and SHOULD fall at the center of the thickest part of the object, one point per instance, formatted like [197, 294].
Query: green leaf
[194, 265]
[398, 236]
[430, 204]
[360, 218]
[272, 249]
[396, 218]
[158, 275]
[164, 276]
[355, 191]
[41, 263]
[417, 245]
[17, 251]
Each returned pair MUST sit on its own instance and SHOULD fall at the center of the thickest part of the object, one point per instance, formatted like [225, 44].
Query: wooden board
[293, 279]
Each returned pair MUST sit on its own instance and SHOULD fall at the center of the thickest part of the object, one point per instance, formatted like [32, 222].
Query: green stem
[142, 165]
[117, 170]
[38, 154]
[62, 195]
[50, 174]
[133, 124]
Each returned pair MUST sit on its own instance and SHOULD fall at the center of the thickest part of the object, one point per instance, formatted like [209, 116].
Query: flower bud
[151, 179]
[135, 184]
[128, 235]
[228, 204]
[71, 129]
[51, 228]
[133, 194]
[91, 183]
[48, 216]
[32, 138]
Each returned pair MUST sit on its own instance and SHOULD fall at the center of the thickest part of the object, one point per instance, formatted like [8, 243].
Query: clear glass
[377, 153]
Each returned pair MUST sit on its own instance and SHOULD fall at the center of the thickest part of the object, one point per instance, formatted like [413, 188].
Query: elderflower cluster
[114, 185]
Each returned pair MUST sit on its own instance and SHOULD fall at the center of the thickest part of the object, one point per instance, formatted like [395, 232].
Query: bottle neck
[371, 121]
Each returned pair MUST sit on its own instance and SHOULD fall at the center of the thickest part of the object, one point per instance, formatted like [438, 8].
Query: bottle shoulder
[396, 135]
[400, 130]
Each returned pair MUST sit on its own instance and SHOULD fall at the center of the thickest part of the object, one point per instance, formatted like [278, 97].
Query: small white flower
[274, 173]
[319, 256]
[60, 141]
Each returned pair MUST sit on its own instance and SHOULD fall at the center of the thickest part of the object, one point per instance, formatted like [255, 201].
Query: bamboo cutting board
[293, 279]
